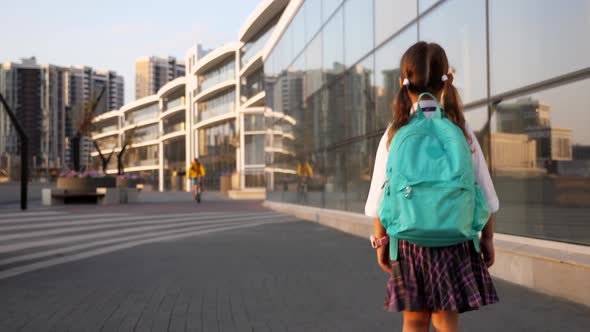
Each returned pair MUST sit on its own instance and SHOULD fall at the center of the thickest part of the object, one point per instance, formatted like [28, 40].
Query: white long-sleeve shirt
[482, 174]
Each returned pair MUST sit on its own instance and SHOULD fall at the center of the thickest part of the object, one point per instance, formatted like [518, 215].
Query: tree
[84, 127]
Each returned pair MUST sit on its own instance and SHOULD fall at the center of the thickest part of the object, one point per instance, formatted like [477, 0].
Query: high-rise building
[151, 73]
[49, 103]
[21, 85]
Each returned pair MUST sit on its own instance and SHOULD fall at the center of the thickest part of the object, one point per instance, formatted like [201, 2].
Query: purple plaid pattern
[451, 278]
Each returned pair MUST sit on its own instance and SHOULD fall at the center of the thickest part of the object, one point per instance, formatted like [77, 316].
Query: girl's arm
[378, 179]
[488, 231]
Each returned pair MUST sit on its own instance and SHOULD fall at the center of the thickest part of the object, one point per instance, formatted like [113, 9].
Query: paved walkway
[171, 265]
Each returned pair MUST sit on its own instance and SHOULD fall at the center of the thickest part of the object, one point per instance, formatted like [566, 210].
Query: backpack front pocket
[431, 211]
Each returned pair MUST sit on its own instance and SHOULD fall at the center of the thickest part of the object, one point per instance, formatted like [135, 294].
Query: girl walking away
[431, 196]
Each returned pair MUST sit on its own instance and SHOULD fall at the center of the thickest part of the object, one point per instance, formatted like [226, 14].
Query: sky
[111, 35]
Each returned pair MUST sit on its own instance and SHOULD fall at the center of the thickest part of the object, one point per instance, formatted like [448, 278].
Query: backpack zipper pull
[408, 192]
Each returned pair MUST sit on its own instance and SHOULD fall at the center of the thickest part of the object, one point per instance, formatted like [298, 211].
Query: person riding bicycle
[195, 172]
[304, 173]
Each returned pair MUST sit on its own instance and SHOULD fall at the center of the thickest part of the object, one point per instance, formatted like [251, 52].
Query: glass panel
[224, 103]
[217, 152]
[313, 18]
[328, 7]
[314, 77]
[336, 178]
[358, 29]
[286, 49]
[529, 42]
[254, 149]
[174, 165]
[169, 104]
[387, 72]
[541, 162]
[359, 169]
[298, 27]
[464, 40]
[221, 73]
[392, 15]
[141, 156]
[173, 123]
[334, 100]
[255, 45]
[145, 113]
[333, 46]
[360, 102]
[108, 143]
[252, 85]
[105, 126]
[477, 120]
[254, 177]
[144, 134]
[253, 122]
[425, 4]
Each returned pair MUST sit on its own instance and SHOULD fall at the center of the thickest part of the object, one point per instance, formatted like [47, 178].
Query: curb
[548, 267]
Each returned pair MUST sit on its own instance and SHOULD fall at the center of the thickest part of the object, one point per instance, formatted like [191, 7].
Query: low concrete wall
[10, 191]
[554, 268]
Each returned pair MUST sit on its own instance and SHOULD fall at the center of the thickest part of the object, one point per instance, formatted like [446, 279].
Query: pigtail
[401, 111]
[451, 103]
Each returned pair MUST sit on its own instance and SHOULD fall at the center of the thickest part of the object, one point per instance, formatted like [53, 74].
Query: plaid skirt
[451, 278]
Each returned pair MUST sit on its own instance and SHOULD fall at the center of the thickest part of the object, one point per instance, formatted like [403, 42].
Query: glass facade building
[331, 77]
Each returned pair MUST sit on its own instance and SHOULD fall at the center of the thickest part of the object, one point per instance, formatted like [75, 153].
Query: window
[464, 40]
[358, 29]
[391, 16]
[530, 43]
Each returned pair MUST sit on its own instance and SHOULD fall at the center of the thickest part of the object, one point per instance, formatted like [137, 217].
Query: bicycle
[198, 189]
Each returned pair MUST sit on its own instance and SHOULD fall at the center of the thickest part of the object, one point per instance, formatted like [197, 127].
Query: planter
[86, 185]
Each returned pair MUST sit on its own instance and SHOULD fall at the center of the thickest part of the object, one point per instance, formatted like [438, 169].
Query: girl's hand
[487, 250]
[383, 259]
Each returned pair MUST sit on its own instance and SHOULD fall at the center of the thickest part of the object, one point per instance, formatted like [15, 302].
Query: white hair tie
[406, 82]
[444, 78]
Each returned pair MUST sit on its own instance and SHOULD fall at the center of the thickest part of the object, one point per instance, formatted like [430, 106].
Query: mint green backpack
[430, 197]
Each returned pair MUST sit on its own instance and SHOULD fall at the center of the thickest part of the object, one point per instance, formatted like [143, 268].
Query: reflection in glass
[328, 7]
[254, 149]
[387, 73]
[426, 4]
[173, 123]
[358, 30]
[144, 113]
[141, 156]
[360, 100]
[108, 143]
[217, 152]
[105, 126]
[529, 42]
[253, 122]
[298, 25]
[314, 78]
[252, 85]
[174, 164]
[145, 133]
[313, 18]
[541, 163]
[255, 45]
[464, 40]
[221, 104]
[221, 73]
[391, 16]
[333, 46]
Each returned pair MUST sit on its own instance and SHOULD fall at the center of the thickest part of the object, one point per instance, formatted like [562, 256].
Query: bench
[102, 196]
